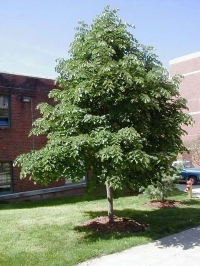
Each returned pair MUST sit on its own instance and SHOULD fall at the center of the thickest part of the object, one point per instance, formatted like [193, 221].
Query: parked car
[187, 171]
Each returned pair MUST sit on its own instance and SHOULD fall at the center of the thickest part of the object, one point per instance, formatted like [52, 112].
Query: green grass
[49, 232]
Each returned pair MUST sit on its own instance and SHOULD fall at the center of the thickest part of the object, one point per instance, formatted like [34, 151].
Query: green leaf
[116, 115]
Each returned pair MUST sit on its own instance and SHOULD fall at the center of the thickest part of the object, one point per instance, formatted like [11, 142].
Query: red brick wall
[15, 140]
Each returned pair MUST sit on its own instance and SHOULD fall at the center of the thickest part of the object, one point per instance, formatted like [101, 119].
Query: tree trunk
[162, 197]
[110, 204]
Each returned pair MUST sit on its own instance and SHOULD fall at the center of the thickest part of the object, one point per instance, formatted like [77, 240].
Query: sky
[34, 33]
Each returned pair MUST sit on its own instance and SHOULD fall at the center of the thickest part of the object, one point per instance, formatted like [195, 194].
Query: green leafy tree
[116, 115]
[193, 147]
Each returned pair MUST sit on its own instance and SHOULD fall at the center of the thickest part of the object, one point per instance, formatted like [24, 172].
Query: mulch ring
[165, 204]
[121, 224]
[126, 225]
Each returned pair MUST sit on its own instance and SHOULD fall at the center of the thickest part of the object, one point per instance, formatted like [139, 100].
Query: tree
[117, 114]
[161, 188]
[193, 147]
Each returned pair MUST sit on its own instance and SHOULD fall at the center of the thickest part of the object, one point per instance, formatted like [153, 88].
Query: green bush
[162, 187]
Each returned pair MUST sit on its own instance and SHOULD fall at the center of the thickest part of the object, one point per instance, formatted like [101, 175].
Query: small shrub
[162, 187]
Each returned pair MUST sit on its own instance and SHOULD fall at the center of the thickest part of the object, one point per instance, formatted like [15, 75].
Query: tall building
[189, 67]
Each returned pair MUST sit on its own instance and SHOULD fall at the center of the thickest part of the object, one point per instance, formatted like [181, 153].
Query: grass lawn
[45, 232]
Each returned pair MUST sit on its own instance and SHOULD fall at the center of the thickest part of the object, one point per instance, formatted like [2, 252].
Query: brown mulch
[126, 225]
[121, 224]
[166, 204]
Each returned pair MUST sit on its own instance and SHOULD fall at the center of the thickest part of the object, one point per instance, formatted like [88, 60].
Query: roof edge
[184, 58]
[26, 75]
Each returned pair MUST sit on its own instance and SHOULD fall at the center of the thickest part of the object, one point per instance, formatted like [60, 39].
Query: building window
[5, 177]
[4, 111]
[68, 181]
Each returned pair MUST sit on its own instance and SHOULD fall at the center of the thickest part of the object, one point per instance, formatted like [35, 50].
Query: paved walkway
[195, 189]
[181, 249]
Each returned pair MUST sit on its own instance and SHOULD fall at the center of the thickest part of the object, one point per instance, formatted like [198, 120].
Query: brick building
[19, 96]
[189, 67]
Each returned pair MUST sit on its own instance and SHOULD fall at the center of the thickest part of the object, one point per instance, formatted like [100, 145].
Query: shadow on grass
[50, 202]
[193, 202]
[161, 223]
[60, 200]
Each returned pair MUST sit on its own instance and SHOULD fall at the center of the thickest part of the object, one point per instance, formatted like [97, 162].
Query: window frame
[5, 184]
[68, 181]
[3, 116]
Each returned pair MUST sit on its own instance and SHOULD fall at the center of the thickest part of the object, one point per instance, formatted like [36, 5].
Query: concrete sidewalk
[182, 249]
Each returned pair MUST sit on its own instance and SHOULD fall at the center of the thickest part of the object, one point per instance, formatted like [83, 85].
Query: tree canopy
[193, 151]
[116, 114]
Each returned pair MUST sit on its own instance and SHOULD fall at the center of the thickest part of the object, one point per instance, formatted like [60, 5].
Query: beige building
[189, 67]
